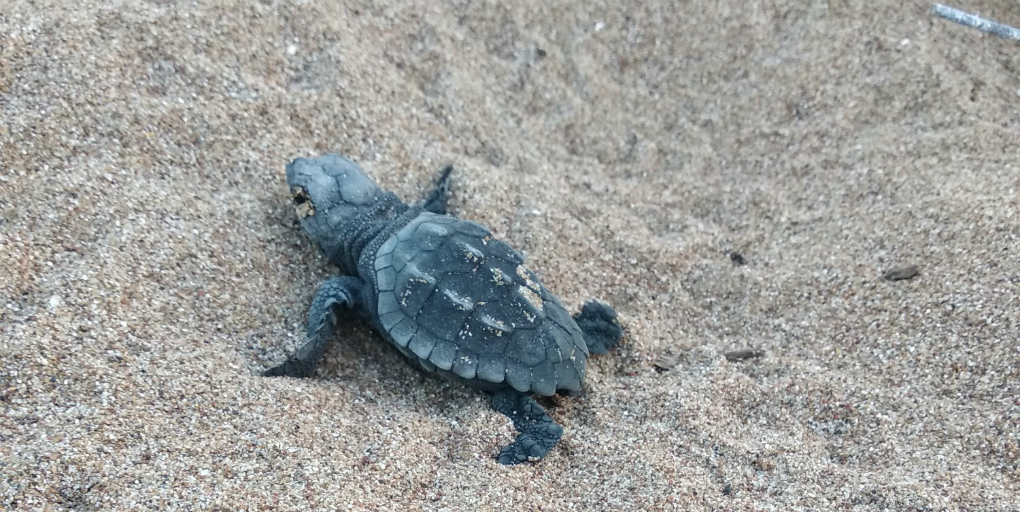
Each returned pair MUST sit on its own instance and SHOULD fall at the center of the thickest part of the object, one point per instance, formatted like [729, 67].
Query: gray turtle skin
[448, 295]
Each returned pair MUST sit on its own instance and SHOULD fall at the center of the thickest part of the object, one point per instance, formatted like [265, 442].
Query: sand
[729, 178]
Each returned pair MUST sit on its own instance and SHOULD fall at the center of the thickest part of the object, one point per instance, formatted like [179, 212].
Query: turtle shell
[461, 303]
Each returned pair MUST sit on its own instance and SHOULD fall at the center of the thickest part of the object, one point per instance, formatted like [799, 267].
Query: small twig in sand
[976, 22]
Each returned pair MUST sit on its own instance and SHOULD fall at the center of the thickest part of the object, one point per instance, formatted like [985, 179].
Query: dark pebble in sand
[901, 273]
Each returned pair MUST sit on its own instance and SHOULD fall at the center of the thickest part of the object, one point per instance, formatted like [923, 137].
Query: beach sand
[730, 178]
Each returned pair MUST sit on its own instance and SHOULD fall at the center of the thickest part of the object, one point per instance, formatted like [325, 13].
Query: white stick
[973, 21]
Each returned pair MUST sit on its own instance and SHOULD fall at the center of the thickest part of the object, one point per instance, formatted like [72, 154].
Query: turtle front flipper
[344, 291]
[600, 329]
[437, 201]
[538, 433]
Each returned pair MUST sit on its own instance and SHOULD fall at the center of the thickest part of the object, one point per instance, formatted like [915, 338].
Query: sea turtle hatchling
[447, 294]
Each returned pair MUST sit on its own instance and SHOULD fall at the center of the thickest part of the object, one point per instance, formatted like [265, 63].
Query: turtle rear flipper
[538, 433]
[600, 330]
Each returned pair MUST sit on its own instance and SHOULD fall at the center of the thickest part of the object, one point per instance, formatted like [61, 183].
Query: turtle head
[329, 192]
